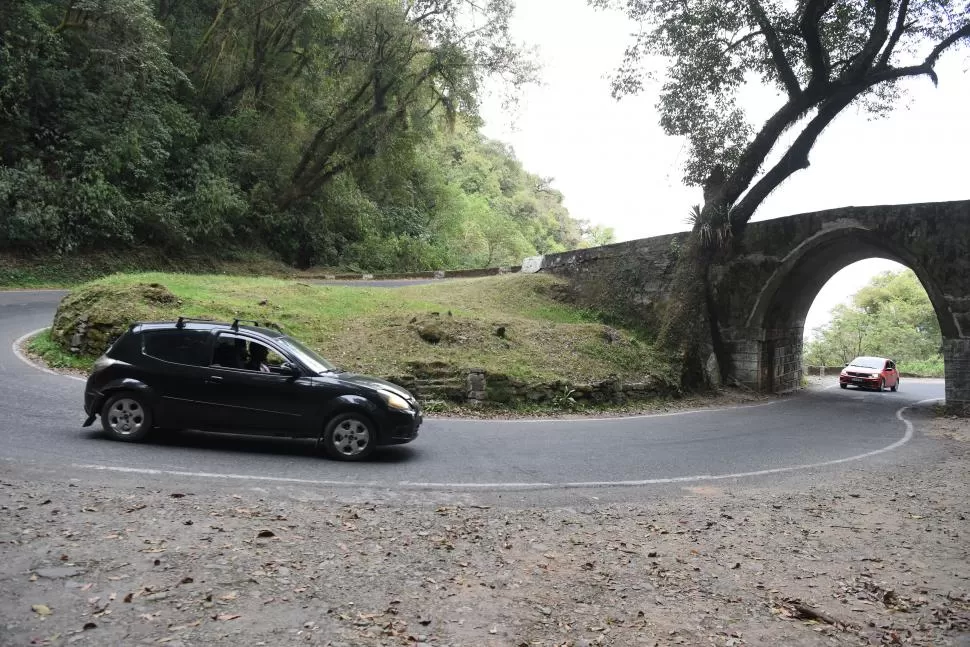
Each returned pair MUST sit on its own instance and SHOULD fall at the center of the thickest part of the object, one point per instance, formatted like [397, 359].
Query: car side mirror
[288, 368]
[844, 365]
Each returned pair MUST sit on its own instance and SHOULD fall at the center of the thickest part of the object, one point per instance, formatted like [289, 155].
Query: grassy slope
[375, 330]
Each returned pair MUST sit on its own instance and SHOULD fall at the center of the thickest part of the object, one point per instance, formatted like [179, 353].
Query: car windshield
[868, 362]
[306, 356]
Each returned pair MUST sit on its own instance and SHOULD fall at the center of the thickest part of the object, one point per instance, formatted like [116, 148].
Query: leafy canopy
[821, 55]
[331, 132]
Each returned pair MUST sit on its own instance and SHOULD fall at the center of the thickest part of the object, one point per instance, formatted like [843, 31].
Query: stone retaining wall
[392, 276]
[476, 387]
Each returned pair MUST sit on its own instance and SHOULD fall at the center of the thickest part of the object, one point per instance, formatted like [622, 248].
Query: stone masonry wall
[629, 280]
[956, 358]
[783, 355]
[476, 387]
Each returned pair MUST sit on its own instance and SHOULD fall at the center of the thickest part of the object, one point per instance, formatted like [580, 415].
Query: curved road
[42, 416]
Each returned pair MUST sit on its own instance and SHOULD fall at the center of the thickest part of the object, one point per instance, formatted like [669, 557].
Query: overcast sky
[617, 168]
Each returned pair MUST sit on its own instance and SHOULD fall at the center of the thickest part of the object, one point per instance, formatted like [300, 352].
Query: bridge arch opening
[782, 308]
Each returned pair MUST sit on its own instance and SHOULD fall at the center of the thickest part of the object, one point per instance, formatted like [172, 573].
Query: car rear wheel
[126, 417]
[350, 436]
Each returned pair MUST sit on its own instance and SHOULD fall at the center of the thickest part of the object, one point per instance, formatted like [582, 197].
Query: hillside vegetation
[893, 317]
[516, 327]
[327, 133]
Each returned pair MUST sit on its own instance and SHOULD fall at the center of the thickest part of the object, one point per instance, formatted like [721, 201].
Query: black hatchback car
[235, 378]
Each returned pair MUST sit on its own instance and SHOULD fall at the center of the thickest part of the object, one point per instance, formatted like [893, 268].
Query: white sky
[617, 168]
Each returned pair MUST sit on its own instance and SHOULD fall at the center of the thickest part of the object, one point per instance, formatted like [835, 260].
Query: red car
[871, 373]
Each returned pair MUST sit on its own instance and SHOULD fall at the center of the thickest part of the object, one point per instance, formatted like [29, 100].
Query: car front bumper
[401, 427]
[92, 405]
[871, 382]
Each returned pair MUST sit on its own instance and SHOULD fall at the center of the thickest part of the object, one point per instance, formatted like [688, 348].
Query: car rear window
[178, 346]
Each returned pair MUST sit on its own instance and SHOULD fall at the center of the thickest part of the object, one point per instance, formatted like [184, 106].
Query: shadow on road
[199, 440]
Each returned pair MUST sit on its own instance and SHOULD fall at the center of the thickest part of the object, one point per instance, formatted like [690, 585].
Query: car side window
[177, 346]
[239, 352]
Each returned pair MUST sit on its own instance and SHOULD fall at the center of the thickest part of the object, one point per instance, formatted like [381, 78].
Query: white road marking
[907, 436]
[26, 360]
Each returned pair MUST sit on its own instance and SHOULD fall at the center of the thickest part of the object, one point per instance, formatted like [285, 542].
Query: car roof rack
[181, 321]
[235, 323]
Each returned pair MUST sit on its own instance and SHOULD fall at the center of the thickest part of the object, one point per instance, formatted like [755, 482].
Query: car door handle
[213, 379]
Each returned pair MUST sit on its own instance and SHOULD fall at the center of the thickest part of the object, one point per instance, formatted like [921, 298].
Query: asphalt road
[41, 416]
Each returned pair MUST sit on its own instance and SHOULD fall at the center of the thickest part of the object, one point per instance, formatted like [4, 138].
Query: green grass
[48, 350]
[922, 368]
[376, 330]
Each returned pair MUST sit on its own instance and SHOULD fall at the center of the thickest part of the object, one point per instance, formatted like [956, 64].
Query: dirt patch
[950, 427]
[871, 557]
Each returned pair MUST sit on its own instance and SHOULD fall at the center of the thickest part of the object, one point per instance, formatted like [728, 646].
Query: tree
[891, 316]
[821, 55]
[333, 132]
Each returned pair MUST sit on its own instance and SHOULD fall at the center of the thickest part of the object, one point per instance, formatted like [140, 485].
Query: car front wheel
[350, 437]
[882, 385]
[126, 417]
[895, 387]
[844, 386]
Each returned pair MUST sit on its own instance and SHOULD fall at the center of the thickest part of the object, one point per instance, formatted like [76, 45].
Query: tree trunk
[690, 327]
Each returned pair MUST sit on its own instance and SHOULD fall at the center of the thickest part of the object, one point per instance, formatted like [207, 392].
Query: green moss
[54, 356]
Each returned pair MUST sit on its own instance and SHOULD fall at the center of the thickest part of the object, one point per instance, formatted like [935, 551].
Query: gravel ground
[873, 556]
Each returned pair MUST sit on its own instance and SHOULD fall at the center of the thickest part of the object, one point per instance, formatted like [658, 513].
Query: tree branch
[877, 37]
[963, 32]
[796, 157]
[782, 65]
[809, 26]
[311, 150]
[759, 148]
[897, 33]
[741, 41]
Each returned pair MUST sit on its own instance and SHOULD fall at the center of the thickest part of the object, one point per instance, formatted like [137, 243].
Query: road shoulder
[868, 556]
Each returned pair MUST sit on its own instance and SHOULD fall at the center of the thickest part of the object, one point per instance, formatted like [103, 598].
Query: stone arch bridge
[762, 296]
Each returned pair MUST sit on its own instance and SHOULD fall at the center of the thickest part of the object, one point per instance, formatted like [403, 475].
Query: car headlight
[394, 401]
[874, 375]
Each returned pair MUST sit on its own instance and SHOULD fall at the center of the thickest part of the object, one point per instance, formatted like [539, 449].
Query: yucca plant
[714, 229]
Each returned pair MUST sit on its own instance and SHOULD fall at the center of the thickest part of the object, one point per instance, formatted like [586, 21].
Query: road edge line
[19, 354]
[412, 485]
